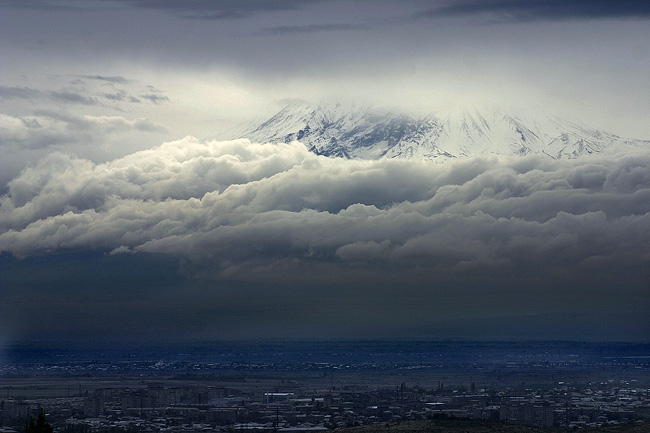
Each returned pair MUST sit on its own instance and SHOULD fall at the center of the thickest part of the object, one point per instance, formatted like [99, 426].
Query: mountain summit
[370, 133]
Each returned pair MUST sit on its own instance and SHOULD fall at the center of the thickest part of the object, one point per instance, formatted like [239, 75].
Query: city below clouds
[124, 212]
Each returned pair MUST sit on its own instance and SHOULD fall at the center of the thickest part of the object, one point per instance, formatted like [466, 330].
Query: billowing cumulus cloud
[272, 240]
[246, 207]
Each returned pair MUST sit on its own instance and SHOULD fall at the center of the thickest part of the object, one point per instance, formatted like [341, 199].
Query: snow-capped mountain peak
[360, 131]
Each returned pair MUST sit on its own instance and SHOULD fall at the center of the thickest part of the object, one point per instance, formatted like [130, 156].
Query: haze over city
[130, 211]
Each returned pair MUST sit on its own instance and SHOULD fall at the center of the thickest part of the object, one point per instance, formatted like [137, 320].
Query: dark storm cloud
[540, 10]
[93, 296]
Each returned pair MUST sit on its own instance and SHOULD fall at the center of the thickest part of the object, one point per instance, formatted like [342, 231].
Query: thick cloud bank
[247, 207]
[237, 239]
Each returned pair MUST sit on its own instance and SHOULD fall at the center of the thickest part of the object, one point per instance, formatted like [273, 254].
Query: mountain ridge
[366, 132]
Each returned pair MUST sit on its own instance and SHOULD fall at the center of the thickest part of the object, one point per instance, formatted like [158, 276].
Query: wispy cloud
[111, 79]
[124, 90]
[538, 10]
[219, 10]
[49, 128]
[19, 93]
[312, 28]
[55, 5]
[73, 97]
[154, 98]
[121, 96]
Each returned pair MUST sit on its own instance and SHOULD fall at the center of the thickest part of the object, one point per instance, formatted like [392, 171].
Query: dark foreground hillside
[482, 426]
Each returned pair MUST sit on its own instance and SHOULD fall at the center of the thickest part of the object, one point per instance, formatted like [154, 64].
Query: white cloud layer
[238, 209]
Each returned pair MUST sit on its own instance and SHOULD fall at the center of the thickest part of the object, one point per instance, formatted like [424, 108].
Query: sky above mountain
[107, 232]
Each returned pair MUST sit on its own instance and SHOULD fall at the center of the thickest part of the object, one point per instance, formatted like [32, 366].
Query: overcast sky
[113, 220]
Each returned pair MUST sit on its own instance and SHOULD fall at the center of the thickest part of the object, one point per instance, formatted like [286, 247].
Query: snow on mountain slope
[369, 133]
